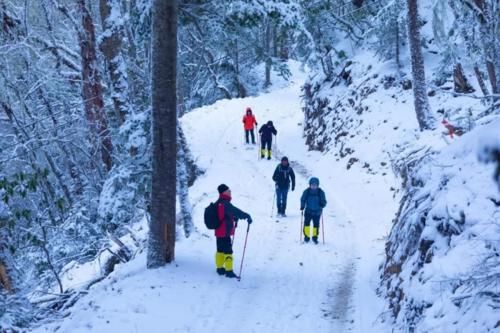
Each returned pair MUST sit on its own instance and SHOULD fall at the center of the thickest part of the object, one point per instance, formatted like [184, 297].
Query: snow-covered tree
[421, 101]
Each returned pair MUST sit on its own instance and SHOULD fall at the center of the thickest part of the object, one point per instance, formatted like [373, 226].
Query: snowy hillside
[442, 267]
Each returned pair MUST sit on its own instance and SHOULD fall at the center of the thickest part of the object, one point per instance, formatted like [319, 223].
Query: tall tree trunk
[163, 193]
[398, 50]
[92, 88]
[241, 88]
[5, 279]
[111, 47]
[267, 48]
[489, 38]
[275, 37]
[480, 80]
[422, 107]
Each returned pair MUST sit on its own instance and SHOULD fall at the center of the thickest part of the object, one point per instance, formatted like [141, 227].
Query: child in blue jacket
[313, 200]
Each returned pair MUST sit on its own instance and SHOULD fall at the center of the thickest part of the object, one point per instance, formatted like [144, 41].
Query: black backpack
[211, 217]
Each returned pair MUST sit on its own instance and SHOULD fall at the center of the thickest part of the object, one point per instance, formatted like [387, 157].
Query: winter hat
[314, 181]
[222, 188]
[249, 109]
[284, 158]
[269, 123]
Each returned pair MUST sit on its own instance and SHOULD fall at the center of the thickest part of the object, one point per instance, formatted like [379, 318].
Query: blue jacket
[313, 201]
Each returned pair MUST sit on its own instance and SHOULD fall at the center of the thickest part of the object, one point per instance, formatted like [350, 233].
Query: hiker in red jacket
[249, 122]
[228, 215]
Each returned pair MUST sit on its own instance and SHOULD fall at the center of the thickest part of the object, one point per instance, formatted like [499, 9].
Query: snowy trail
[286, 286]
[296, 287]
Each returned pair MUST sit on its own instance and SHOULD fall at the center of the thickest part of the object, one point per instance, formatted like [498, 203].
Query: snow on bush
[442, 267]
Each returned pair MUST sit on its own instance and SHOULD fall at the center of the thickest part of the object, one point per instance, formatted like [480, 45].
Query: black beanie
[222, 188]
[284, 158]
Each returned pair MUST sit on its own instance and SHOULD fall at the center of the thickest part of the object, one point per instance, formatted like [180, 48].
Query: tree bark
[488, 31]
[461, 84]
[4, 279]
[163, 193]
[421, 102]
[92, 88]
[111, 47]
[480, 80]
[267, 48]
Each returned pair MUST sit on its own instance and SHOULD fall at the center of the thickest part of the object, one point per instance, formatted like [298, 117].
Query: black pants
[224, 245]
[266, 143]
[251, 134]
[307, 222]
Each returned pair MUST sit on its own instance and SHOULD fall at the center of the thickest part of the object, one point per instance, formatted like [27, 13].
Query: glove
[249, 220]
[301, 209]
[293, 188]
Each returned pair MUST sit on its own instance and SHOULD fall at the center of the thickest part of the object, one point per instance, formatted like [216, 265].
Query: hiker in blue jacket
[313, 200]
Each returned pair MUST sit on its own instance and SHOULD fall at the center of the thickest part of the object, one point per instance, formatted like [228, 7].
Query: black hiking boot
[262, 156]
[269, 157]
[306, 239]
[315, 240]
[230, 274]
[221, 271]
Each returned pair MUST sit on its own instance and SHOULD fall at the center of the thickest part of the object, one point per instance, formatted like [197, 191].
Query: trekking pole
[258, 148]
[234, 234]
[276, 144]
[272, 207]
[243, 256]
[301, 226]
[323, 228]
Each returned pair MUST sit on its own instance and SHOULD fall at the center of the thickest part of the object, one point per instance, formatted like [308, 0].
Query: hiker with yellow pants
[266, 133]
[313, 200]
[228, 215]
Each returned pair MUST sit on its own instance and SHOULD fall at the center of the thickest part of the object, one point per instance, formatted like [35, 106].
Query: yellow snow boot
[219, 263]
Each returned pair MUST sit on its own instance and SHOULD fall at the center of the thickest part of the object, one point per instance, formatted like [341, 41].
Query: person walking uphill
[249, 122]
[282, 176]
[228, 215]
[313, 200]
[266, 139]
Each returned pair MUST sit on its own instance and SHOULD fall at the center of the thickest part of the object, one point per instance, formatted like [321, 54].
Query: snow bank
[442, 270]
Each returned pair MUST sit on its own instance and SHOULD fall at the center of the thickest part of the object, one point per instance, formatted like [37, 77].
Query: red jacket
[228, 214]
[249, 121]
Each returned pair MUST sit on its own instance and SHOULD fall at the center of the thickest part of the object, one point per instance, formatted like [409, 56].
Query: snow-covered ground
[286, 286]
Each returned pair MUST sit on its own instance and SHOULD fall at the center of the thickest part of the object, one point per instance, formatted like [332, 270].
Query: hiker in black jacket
[282, 176]
[266, 139]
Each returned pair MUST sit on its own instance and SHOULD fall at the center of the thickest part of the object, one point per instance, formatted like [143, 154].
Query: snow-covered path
[286, 286]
